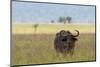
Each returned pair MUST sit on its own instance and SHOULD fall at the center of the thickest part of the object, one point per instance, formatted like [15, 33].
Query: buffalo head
[65, 41]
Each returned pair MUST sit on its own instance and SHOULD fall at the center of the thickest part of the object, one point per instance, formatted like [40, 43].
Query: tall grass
[39, 49]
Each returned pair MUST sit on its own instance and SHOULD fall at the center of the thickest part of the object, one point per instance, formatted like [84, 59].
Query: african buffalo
[65, 42]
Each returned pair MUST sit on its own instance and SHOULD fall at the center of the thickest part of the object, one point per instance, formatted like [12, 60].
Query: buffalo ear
[75, 39]
[57, 34]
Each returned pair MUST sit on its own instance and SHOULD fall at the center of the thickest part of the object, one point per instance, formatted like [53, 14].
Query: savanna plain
[35, 45]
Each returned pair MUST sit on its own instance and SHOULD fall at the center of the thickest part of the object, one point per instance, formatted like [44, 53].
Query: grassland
[37, 48]
[51, 28]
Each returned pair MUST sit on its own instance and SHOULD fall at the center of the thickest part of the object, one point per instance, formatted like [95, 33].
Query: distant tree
[35, 27]
[52, 21]
[62, 19]
[69, 19]
[65, 19]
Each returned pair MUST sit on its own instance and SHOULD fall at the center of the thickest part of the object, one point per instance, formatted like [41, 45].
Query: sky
[25, 12]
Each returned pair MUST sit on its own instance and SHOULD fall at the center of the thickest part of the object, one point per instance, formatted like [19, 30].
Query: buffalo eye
[74, 39]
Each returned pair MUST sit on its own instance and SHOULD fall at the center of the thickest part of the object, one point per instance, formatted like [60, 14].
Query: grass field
[30, 48]
[51, 28]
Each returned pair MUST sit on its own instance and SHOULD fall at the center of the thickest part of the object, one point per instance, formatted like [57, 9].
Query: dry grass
[51, 28]
[38, 49]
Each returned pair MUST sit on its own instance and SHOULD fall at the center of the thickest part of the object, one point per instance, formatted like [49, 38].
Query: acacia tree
[65, 19]
[52, 21]
[62, 19]
[35, 27]
[69, 19]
